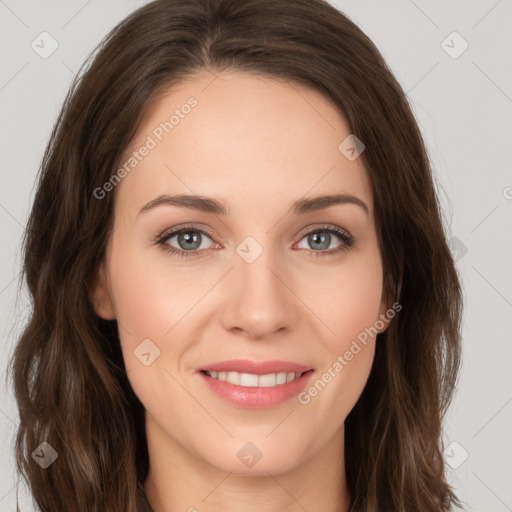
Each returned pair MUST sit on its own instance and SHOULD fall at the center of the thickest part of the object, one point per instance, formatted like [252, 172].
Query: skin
[257, 145]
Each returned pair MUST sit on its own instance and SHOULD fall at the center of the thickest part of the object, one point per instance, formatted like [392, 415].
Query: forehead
[247, 138]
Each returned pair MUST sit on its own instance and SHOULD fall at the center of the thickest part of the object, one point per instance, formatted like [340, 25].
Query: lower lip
[256, 397]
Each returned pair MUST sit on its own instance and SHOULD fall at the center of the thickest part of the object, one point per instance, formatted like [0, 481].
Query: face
[256, 277]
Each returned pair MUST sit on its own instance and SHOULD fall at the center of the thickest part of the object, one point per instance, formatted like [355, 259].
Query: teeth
[248, 379]
[252, 380]
[266, 381]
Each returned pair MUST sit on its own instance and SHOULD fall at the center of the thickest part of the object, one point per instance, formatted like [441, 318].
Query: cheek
[349, 307]
[150, 299]
[147, 307]
[154, 301]
[348, 301]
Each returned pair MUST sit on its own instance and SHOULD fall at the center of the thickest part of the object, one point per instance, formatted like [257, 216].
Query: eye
[190, 241]
[186, 242]
[322, 238]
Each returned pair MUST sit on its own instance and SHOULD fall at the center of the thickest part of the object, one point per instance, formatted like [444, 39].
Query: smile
[252, 391]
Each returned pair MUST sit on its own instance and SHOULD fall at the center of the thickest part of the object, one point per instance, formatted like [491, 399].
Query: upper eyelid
[173, 232]
[309, 229]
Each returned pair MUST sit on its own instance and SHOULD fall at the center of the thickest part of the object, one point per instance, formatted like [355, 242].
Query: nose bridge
[259, 302]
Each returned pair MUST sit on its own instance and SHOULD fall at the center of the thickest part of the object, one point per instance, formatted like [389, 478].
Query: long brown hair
[68, 372]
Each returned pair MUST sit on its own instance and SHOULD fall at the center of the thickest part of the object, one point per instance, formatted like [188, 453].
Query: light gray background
[463, 106]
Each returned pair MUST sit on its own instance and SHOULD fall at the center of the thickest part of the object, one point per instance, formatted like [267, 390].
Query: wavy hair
[68, 373]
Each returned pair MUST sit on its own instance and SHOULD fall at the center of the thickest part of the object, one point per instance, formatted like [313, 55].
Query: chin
[251, 458]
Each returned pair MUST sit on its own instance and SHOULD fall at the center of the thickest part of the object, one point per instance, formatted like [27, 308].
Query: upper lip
[255, 367]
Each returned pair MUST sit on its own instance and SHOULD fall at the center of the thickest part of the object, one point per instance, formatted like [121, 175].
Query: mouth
[255, 385]
[252, 380]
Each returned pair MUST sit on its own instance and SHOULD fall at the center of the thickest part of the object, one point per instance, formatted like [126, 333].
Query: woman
[301, 353]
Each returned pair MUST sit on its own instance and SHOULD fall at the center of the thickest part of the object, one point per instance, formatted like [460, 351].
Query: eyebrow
[210, 205]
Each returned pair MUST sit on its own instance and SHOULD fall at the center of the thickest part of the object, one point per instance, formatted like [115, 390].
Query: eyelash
[347, 240]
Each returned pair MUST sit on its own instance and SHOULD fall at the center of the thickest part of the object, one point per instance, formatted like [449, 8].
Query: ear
[99, 294]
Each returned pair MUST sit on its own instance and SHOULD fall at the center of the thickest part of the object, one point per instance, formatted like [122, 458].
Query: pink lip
[257, 368]
[256, 397]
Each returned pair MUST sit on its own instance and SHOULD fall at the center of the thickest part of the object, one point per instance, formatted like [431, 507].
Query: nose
[259, 299]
